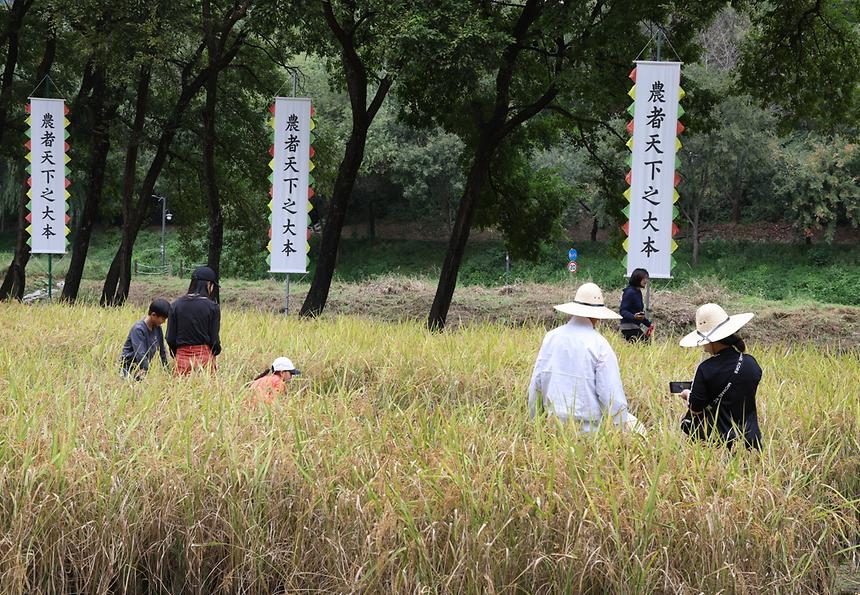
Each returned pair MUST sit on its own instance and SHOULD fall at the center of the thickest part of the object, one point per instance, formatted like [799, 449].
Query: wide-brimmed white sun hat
[713, 324]
[588, 303]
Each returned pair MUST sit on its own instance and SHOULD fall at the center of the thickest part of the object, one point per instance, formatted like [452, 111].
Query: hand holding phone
[639, 316]
[676, 388]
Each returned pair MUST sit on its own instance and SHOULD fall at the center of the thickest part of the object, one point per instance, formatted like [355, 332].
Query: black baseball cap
[204, 274]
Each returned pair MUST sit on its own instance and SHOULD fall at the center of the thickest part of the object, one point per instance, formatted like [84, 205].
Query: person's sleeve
[536, 389]
[215, 330]
[699, 393]
[627, 315]
[171, 331]
[609, 390]
[139, 348]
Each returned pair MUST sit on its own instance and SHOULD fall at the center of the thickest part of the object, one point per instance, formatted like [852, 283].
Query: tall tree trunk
[13, 29]
[499, 123]
[15, 279]
[129, 179]
[213, 200]
[362, 116]
[118, 281]
[737, 198]
[594, 229]
[695, 230]
[333, 227]
[210, 180]
[478, 175]
[371, 219]
[102, 113]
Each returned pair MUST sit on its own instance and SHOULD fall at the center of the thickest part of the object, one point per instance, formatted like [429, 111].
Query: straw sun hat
[588, 303]
[713, 324]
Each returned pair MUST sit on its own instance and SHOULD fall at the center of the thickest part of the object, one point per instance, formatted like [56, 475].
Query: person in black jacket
[194, 324]
[633, 309]
[722, 400]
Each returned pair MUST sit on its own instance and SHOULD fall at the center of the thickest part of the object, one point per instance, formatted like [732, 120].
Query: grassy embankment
[403, 461]
[776, 272]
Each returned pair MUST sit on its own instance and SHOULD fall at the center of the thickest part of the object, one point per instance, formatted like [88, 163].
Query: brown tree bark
[696, 233]
[210, 181]
[362, 117]
[118, 281]
[493, 130]
[102, 111]
[129, 179]
[477, 178]
[14, 23]
[15, 279]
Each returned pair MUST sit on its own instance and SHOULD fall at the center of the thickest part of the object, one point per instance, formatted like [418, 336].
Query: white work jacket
[577, 377]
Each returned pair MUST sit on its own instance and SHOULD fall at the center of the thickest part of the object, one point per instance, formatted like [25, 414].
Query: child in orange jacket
[273, 382]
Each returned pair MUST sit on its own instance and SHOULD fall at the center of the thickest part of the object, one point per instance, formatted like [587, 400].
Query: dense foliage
[170, 98]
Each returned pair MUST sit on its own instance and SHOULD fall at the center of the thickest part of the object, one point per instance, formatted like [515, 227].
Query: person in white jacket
[576, 376]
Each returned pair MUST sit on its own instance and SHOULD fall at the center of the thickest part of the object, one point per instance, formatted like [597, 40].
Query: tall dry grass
[403, 462]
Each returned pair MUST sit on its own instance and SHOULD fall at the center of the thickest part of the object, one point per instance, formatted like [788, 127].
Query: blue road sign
[571, 254]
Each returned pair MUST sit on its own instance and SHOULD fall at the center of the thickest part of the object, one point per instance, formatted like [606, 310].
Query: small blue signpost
[571, 254]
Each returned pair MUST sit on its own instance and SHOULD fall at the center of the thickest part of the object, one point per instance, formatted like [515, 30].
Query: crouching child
[144, 340]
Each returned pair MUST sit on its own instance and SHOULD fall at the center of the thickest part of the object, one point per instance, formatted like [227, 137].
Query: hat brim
[585, 311]
[734, 324]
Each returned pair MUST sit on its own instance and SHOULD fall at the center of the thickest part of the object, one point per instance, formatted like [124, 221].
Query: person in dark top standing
[144, 340]
[721, 401]
[194, 324]
[633, 309]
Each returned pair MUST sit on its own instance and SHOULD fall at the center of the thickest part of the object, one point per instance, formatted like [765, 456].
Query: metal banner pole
[163, 222]
[648, 299]
[50, 278]
[287, 281]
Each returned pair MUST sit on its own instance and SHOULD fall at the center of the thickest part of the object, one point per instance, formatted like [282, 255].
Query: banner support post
[50, 278]
[287, 280]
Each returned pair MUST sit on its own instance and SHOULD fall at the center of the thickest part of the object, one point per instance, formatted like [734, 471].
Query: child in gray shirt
[144, 340]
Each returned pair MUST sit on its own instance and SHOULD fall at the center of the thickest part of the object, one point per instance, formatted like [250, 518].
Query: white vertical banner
[653, 165]
[291, 181]
[47, 168]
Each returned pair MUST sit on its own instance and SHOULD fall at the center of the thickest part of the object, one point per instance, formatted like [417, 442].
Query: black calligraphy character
[47, 157]
[656, 117]
[47, 193]
[291, 164]
[48, 121]
[657, 92]
[292, 123]
[649, 221]
[653, 141]
[48, 214]
[291, 183]
[649, 193]
[48, 231]
[289, 227]
[292, 143]
[48, 139]
[288, 248]
[654, 169]
[49, 175]
[288, 205]
[649, 248]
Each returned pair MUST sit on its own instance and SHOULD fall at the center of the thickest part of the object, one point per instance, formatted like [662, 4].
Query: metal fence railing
[146, 269]
[151, 270]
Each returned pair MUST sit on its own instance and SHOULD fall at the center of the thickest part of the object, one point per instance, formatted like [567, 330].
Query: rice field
[404, 462]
